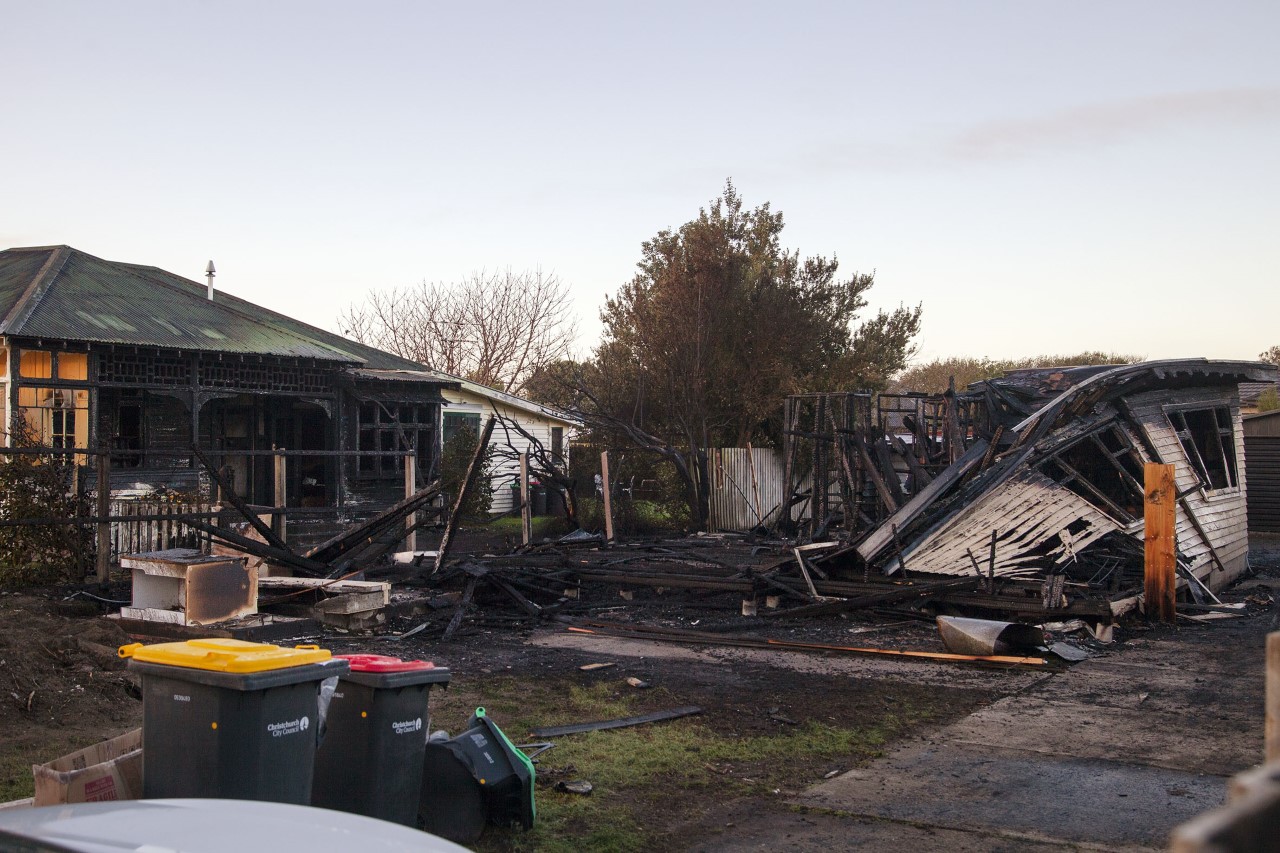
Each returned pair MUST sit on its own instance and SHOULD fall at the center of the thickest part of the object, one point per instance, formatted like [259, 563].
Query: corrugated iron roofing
[61, 293]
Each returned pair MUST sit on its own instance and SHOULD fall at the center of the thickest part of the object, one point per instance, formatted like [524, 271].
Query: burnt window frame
[382, 432]
[1089, 490]
[1224, 435]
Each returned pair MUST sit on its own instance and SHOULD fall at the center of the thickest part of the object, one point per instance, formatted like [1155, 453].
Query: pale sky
[1043, 177]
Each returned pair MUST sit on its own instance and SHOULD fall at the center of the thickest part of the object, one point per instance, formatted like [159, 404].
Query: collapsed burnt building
[1027, 479]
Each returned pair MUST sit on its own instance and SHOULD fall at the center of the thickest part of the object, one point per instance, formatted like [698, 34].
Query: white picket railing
[132, 535]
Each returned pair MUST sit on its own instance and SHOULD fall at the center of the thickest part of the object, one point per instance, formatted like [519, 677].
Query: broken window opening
[1208, 441]
[1102, 469]
[126, 436]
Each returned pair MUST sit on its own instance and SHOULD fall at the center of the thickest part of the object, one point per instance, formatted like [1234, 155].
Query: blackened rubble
[1019, 497]
[1033, 481]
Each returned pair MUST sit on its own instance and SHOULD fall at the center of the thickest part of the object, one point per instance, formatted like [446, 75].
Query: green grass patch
[650, 778]
[542, 525]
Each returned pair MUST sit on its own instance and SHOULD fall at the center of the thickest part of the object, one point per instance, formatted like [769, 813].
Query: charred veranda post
[1160, 577]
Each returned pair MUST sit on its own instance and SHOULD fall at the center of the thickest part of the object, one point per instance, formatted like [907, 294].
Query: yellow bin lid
[225, 655]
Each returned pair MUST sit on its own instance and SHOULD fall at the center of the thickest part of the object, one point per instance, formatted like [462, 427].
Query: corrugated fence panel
[746, 487]
[1262, 464]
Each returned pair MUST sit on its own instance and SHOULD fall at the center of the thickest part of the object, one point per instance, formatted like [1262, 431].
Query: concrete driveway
[1113, 753]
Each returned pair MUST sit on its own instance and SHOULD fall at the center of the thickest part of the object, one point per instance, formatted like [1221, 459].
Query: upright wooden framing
[1160, 541]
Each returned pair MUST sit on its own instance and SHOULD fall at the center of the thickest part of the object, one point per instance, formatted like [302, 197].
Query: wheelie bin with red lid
[370, 761]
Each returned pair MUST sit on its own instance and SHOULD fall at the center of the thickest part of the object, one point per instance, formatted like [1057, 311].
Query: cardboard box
[111, 770]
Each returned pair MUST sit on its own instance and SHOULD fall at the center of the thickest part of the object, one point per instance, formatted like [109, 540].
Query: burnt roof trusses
[57, 293]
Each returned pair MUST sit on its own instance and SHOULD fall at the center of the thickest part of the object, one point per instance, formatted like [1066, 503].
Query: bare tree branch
[496, 328]
[542, 463]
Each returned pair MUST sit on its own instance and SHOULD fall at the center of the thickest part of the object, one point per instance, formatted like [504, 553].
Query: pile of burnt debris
[1019, 499]
[1034, 481]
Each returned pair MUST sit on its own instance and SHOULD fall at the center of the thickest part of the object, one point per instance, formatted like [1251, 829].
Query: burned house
[1037, 474]
[146, 364]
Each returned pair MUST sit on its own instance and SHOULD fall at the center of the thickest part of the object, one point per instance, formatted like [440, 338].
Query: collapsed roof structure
[1033, 475]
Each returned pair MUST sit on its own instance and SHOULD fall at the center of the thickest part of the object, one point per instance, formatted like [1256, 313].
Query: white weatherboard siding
[506, 472]
[1221, 512]
[1029, 514]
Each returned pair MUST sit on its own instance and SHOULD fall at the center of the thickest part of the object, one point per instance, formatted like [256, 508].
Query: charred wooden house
[1036, 474]
[147, 364]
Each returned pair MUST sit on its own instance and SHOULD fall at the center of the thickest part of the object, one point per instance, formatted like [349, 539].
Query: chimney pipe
[210, 272]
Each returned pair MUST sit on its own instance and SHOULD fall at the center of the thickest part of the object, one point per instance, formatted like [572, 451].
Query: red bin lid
[384, 663]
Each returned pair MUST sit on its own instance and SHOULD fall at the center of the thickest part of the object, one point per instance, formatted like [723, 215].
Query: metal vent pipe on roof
[210, 272]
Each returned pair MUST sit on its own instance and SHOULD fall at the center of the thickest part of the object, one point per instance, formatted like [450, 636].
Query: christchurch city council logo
[305, 724]
[404, 727]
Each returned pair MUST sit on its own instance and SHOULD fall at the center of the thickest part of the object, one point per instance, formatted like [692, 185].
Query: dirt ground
[773, 724]
[63, 685]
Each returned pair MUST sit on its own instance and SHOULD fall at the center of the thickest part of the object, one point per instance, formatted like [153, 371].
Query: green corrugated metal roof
[60, 293]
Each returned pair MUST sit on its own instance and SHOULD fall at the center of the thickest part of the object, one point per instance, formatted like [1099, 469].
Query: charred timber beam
[263, 550]
[363, 533]
[882, 536]
[904, 593]
[243, 508]
[1085, 608]
[468, 481]
[872, 471]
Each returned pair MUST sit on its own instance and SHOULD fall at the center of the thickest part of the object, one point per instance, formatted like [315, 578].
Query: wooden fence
[133, 535]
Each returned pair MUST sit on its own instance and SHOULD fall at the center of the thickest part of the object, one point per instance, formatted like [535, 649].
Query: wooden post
[991, 569]
[103, 555]
[526, 520]
[755, 484]
[1273, 697]
[1161, 538]
[281, 492]
[608, 499]
[410, 489]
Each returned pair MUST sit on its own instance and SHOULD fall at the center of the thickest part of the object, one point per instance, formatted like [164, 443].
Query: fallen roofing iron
[987, 637]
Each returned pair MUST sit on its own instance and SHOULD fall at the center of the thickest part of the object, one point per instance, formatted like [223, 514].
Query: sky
[1042, 177]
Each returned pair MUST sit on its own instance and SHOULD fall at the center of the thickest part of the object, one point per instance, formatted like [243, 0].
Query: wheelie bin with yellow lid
[230, 719]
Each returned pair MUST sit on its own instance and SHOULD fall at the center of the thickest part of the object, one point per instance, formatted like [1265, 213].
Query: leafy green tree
[718, 325]
[1272, 355]
[932, 376]
[1268, 400]
[454, 460]
[721, 322]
